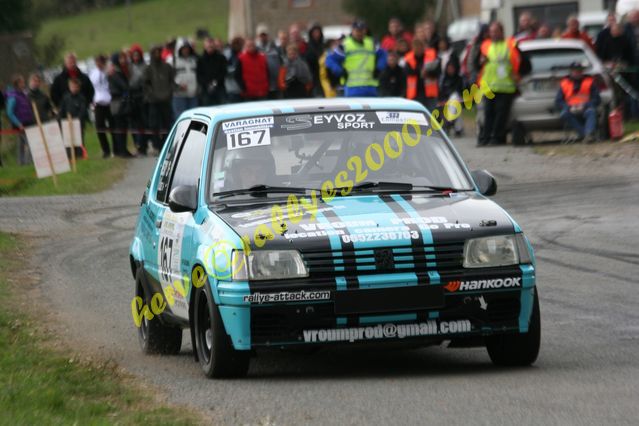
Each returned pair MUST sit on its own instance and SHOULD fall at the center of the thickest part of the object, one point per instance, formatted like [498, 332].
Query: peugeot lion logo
[384, 259]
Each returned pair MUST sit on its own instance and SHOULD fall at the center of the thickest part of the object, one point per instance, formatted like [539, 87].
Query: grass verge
[94, 174]
[41, 385]
[152, 22]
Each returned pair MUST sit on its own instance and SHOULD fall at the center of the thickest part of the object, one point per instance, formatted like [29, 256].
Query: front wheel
[214, 349]
[519, 349]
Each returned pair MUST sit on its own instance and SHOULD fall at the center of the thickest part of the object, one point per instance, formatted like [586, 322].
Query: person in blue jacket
[20, 114]
[359, 61]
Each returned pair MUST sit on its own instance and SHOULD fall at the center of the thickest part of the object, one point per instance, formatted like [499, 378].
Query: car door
[157, 200]
[176, 230]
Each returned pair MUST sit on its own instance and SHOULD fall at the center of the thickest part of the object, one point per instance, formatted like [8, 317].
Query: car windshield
[548, 60]
[384, 150]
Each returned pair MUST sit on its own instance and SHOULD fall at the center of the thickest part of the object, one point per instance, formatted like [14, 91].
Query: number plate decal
[248, 138]
[170, 247]
[248, 132]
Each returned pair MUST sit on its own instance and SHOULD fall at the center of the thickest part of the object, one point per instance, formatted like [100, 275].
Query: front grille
[442, 258]
[285, 324]
[502, 309]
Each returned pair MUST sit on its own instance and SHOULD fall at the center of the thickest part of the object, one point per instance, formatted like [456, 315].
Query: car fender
[136, 254]
[228, 295]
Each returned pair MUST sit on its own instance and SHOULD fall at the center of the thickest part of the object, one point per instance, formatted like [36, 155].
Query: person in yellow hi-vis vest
[501, 60]
[359, 60]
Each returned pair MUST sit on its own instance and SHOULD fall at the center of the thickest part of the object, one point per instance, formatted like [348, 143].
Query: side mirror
[183, 199]
[485, 182]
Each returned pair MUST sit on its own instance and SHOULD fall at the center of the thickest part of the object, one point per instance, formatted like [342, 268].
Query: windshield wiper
[439, 188]
[398, 186]
[261, 190]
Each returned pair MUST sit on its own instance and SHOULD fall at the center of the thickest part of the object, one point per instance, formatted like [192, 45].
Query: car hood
[371, 221]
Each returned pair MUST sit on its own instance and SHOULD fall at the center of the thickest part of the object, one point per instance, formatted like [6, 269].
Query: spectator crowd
[129, 95]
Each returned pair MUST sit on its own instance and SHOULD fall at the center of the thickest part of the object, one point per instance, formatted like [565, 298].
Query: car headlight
[268, 265]
[500, 250]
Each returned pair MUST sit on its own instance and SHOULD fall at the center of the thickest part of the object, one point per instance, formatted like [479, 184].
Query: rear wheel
[519, 349]
[154, 336]
[215, 351]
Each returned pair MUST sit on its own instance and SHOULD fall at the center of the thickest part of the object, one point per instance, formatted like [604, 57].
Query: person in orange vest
[577, 99]
[500, 59]
[422, 69]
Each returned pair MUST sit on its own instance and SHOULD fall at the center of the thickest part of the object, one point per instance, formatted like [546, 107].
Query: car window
[548, 60]
[167, 164]
[189, 163]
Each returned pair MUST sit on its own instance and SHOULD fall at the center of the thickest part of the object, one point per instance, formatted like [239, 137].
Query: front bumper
[385, 312]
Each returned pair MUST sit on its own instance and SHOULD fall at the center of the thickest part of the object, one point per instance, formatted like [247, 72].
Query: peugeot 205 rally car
[338, 221]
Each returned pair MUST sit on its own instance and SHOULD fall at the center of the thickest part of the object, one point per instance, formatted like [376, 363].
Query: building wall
[279, 14]
[469, 7]
[238, 16]
[506, 16]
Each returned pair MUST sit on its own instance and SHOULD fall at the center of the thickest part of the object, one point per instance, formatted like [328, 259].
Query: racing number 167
[254, 137]
[166, 248]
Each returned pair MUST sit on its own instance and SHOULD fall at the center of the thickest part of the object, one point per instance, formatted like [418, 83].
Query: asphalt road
[581, 215]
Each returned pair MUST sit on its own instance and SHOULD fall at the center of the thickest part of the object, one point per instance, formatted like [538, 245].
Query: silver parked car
[535, 108]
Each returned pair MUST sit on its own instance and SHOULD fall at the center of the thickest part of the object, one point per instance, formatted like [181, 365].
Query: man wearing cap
[359, 61]
[577, 99]
[273, 61]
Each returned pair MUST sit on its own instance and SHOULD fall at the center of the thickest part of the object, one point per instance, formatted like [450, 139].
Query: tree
[408, 11]
[15, 16]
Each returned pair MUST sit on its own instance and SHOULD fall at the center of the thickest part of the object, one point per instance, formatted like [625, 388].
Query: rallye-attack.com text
[286, 296]
[387, 331]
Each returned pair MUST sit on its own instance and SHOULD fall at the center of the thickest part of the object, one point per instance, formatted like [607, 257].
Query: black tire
[518, 134]
[214, 349]
[517, 350]
[154, 336]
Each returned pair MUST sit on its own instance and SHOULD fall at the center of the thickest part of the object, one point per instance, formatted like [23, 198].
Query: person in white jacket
[185, 65]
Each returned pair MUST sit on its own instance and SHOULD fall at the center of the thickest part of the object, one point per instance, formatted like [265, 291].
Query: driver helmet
[249, 166]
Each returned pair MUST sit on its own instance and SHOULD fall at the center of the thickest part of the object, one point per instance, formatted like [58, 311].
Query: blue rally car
[319, 222]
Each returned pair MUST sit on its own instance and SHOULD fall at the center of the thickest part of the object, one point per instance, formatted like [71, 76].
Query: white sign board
[77, 132]
[56, 149]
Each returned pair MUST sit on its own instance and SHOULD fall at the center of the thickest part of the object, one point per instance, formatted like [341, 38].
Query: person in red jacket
[252, 73]
[395, 33]
[572, 31]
